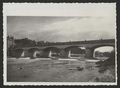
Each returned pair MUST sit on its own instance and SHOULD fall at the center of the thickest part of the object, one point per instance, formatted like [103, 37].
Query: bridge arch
[51, 48]
[31, 49]
[33, 52]
[75, 51]
[18, 53]
[90, 51]
[51, 51]
[103, 52]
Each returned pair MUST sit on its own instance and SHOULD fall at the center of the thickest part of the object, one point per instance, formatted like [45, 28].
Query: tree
[25, 42]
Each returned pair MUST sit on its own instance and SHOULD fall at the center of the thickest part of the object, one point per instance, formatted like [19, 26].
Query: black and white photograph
[60, 44]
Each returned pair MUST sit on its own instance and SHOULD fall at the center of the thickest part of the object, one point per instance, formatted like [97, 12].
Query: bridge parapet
[73, 43]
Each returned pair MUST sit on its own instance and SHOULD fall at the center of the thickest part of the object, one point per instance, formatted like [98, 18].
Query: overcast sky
[66, 28]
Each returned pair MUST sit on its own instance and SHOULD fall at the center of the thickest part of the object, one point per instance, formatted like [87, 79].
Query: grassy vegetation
[107, 67]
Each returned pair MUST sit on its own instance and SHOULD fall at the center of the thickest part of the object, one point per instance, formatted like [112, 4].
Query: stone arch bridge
[63, 50]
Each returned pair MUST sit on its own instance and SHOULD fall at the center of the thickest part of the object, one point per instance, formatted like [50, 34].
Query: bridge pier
[69, 54]
[20, 53]
[24, 54]
[89, 53]
[63, 53]
[35, 53]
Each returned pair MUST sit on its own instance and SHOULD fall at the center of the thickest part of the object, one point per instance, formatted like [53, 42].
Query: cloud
[62, 28]
[61, 22]
[79, 29]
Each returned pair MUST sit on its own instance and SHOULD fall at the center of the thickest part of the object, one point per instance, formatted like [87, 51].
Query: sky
[87, 22]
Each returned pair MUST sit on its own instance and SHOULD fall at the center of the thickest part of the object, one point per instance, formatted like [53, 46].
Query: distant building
[10, 42]
[10, 45]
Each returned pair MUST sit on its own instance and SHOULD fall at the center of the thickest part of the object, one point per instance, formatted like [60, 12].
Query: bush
[110, 61]
[105, 79]
[107, 64]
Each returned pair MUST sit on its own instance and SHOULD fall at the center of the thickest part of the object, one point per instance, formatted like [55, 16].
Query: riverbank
[47, 70]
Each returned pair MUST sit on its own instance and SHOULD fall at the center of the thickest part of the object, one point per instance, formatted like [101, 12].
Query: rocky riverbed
[62, 70]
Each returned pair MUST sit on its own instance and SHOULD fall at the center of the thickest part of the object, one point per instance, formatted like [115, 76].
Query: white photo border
[8, 12]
